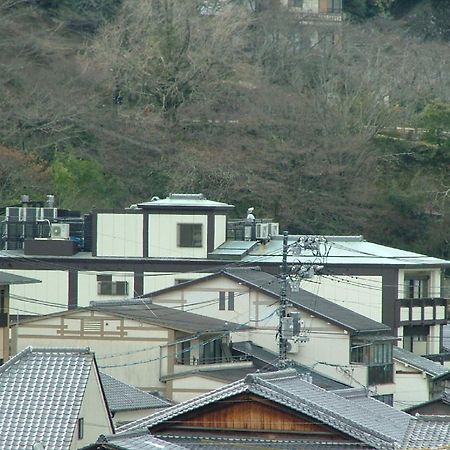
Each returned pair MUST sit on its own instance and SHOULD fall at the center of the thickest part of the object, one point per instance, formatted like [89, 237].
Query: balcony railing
[430, 310]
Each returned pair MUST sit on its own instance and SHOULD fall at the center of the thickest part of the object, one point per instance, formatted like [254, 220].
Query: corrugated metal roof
[41, 391]
[123, 397]
[344, 250]
[419, 362]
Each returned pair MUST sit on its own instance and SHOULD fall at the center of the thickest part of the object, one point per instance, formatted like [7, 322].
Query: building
[7, 280]
[136, 341]
[282, 410]
[51, 399]
[156, 244]
[418, 380]
[361, 354]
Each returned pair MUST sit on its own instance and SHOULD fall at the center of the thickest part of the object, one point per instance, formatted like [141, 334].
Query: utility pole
[282, 341]
[290, 326]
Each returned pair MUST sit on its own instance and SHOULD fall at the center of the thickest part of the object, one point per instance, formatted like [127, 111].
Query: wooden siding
[247, 412]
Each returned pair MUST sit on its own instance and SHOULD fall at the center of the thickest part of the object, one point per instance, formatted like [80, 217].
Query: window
[416, 286]
[377, 356]
[296, 3]
[357, 354]
[223, 303]
[184, 353]
[106, 286]
[80, 428]
[190, 235]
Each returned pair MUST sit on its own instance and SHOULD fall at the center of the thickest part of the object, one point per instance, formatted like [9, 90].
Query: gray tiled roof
[250, 443]
[139, 440]
[419, 362]
[123, 397]
[145, 311]
[431, 432]
[41, 391]
[10, 278]
[314, 304]
[268, 360]
[382, 428]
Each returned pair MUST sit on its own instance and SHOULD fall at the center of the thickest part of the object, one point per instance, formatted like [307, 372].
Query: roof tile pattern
[382, 428]
[419, 362]
[123, 397]
[431, 432]
[41, 391]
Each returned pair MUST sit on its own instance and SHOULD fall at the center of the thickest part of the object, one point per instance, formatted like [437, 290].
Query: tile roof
[267, 360]
[10, 278]
[144, 311]
[123, 397]
[140, 440]
[382, 428]
[431, 432]
[419, 362]
[224, 443]
[41, 391]
[312, 303]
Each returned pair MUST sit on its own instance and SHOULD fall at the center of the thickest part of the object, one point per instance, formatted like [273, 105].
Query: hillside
[106, 104]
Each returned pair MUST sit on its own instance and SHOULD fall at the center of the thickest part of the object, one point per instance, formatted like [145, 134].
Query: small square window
[190, 235]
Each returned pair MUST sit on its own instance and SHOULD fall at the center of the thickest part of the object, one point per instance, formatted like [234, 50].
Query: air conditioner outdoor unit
[293, 347]
[274, 229]
[262, 231]
[59, 231]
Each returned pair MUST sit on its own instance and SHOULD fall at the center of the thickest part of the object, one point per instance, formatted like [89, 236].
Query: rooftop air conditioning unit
[59, 231]
[262, 231]
[292, 347]
[274, 229]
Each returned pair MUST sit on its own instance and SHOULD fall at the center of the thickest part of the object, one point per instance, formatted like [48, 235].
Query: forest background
[341, 129]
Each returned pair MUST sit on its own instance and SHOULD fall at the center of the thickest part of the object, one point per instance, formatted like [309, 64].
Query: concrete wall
[132, 347]
[412, 386]
[362, 294]
[162, 232]
[220, 230]
[154, 281]
[88, 286]
[119, 234]
[27, 298]
[191, 386]
[94, 413]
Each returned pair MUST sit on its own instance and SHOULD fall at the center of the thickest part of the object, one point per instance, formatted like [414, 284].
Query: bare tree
[160, 53]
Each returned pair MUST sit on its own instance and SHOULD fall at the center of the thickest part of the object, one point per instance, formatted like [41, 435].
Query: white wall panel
[119, 235]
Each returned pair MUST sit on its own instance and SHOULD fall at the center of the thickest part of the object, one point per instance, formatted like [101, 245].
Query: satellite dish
[38, 446]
